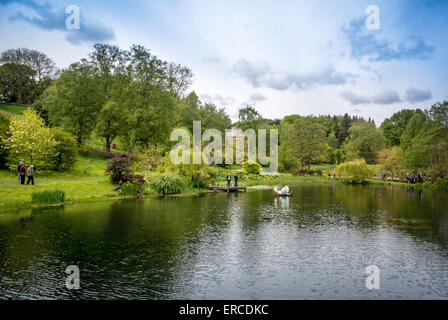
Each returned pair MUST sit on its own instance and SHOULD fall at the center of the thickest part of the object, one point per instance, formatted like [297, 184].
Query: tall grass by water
[48, 196]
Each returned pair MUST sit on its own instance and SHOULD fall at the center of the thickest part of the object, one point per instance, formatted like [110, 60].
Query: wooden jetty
[226, 189]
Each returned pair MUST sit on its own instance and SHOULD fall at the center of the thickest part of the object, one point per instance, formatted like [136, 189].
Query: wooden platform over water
[227, 189]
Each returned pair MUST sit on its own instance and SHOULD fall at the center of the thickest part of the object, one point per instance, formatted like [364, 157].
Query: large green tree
[394, 126]
[364, 141]
[75, 100]
[24, 74]
[306, 141]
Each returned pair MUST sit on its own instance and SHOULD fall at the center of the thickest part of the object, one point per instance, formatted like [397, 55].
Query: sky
[282, 57]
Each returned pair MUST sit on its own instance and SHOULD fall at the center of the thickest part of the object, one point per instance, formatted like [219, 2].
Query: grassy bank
[87, 182]
[12, 108]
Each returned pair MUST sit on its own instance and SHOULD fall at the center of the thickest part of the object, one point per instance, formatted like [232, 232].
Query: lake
[315, 245]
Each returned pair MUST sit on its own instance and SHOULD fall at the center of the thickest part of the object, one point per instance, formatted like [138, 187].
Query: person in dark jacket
[22, 171]
[420, 177]
[30, 174]
[236, 179]
[229, 178]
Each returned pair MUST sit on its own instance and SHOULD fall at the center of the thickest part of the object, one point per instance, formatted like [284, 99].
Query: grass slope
[85, 182]
[13, 109]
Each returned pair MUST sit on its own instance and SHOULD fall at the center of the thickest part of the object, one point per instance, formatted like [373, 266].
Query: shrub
[129, 189]
[251, 167]
[119, 169]
[66, 150]
[48, 196]
[442, 184]
[168, 183]
[354, 172]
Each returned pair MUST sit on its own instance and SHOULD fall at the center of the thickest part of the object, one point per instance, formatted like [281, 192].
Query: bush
[48, 196]
[129, 189]
[119, 169]
[442, 184]
[168, 183]
[354, 172]
[251, 167]
[66, 150]
[199, 179]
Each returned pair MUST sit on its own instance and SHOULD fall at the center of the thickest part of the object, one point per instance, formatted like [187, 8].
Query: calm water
[315, 245]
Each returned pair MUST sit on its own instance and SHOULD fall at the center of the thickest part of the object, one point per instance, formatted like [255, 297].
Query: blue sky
[284, 57]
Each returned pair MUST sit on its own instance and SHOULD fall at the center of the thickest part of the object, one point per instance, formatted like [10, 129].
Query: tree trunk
[108, 144]
[131, 150]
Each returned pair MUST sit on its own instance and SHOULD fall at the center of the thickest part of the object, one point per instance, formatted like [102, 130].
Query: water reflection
[284, 202]
[233, 246]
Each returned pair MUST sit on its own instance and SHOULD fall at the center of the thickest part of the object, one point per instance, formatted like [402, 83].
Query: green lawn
[85, 182]
[14, 109]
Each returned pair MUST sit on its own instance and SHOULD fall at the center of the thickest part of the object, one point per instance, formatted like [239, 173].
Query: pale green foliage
[168, 183]
[30, 140]
[251, 167]
[149, 159]
[354, 171]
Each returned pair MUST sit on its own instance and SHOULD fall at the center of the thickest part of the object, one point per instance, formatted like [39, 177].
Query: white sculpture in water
[282, 193]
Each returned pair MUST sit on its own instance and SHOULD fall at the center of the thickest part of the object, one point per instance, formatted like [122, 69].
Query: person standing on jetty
[229, 178]
[236, 179]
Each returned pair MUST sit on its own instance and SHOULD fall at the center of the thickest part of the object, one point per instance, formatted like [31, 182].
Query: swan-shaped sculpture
[282, 193]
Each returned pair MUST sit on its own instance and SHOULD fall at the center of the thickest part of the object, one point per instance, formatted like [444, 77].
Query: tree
[179, 78]
[214, 118]
[390, 159]
[30, 139]
[75, 99]
[249, 118]
[394, 126]
[364, 141]
[4, 134]
[24, 74]
[149, 116]
[17, 83]
[66, 150]
[425, 141]
[354, 172]
[110, 122]
[189, 111]
[306, 141]
[108, 59]
[344, 129]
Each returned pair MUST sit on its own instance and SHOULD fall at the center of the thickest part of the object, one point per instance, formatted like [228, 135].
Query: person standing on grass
[22, 171]
[229, 178]
[30, 174]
